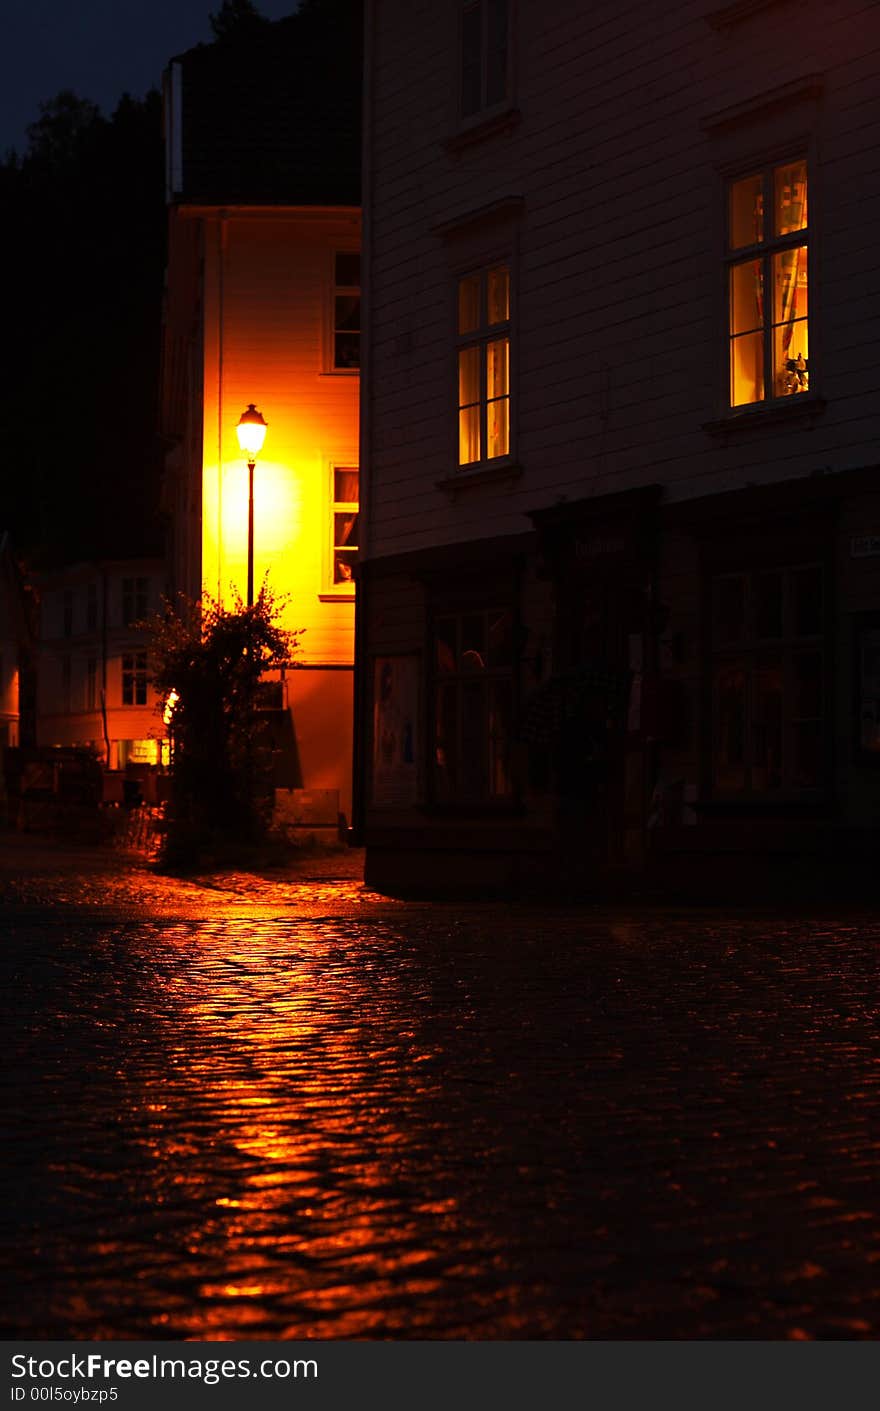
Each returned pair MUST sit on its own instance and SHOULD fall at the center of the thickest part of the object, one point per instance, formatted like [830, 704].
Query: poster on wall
[395, 705]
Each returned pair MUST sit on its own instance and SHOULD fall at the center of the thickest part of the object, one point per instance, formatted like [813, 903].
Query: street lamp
[251, 432]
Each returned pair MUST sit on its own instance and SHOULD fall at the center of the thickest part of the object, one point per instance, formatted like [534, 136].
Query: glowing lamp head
[251, 432]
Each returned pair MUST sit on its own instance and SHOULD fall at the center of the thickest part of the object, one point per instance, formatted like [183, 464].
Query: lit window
[134, 679]
[345, 523]
[767, 285]
[483, 55]
[135, 600]
[767, 674]
[484, 366]
[346, 331]
[473, 705]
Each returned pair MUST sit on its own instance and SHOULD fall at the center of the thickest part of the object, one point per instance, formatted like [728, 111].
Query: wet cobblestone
[242, 1108]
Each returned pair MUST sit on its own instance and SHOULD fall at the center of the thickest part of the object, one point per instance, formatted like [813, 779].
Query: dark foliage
[211, 658]
[85, 234]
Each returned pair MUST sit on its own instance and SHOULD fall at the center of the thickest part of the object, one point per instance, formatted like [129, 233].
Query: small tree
[207, 664]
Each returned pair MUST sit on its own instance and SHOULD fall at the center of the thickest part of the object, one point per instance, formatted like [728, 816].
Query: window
[91, 683]
[134, 679]
[65, 683]
[483, 55]
[767, 681]
[67, 612]
[135, 600]
[345, 523]
[346, 330]
[473, 705]
[91, 607]
[767, 284]
[484, 366]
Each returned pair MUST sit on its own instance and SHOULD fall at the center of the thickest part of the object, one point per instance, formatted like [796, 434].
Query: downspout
[104, 667]
[222, 236]
[360, 723]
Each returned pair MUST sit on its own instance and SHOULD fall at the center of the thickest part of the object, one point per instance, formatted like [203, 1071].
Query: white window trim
[335, 592]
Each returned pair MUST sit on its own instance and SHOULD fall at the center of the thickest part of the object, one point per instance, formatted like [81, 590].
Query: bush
[207, 664]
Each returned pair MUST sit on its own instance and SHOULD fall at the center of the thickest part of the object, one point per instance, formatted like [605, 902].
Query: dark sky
[99, 48]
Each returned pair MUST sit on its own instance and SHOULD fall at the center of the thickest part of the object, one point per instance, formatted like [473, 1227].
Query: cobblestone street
[251, 1108]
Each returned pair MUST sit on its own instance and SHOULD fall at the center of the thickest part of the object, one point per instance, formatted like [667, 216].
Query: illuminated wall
[268, 279]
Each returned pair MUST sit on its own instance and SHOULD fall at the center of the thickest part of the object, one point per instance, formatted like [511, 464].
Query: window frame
[346, 590]
[481, 337]
[135, 598]
[135, 678]
[484, 109]
[334, 289]
[459, 800]
[751, 651]
[765, 165]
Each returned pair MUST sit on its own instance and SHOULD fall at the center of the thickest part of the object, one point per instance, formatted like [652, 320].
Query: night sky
[98, 48]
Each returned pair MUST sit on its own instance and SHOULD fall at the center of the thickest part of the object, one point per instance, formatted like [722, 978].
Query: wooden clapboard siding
[619, 312]
[273, 276]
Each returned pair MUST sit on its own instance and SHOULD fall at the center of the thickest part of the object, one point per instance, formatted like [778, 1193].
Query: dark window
[135, 600]
[134, 679]
[91, 607]
[67, 612]
[483, 55]
[473, 705]
[346, 332]
[767, 681]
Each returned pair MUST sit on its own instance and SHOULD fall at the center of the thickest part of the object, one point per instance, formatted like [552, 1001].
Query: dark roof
[274, 117]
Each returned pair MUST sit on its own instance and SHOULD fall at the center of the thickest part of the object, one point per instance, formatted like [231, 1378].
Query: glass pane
[345, 486]
[469, 303]
[807, 672]
[348, 268]
[343, 565]
[806, 586]
[474, 739]
[498, 292]
[500, 723]
[790, 197]
[498, 428]
[730, 610]
[473, 642]
[468, 376]
[746, 296]
[348, 312]
[790, 285]
[496, 51]
[791, 357]
[498, 367]
[767, 728]
[500, 639]
[730, 707]
[746, 212]
[747, 369]
[768, 605]
[807, 746]
[471, 59]
[347, 350]
[345, 530]
[446, 739]
[468, 435]
[445, 644]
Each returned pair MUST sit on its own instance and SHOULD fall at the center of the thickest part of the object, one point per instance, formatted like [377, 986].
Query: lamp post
[251, 432]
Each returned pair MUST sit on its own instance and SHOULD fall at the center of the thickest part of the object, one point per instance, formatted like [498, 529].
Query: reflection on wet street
[452, 1122]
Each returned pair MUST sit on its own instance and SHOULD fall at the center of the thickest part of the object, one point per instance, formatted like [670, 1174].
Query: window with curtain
[483, 366]
[768, 278]
[345, 524]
